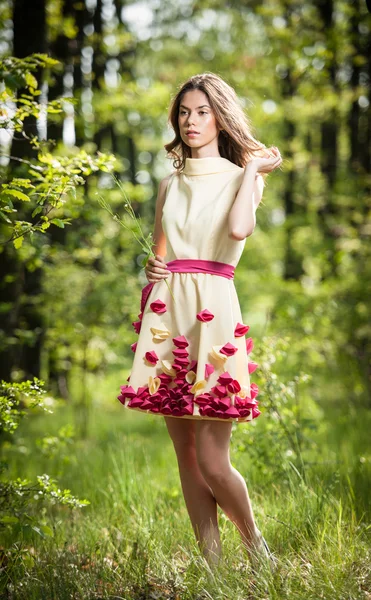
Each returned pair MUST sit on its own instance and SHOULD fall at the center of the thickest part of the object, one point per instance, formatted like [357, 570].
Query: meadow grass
[135, 541]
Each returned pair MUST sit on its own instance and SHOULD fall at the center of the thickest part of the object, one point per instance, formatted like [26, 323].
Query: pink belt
[191, 265]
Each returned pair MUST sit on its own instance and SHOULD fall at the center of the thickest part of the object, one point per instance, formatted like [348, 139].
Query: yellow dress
[192, 355]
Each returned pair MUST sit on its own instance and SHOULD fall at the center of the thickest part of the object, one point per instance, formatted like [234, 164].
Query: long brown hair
[236, 142]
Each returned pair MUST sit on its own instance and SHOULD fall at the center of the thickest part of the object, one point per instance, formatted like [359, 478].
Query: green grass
[135, 541]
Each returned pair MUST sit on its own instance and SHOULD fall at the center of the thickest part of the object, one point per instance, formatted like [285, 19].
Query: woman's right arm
[156, 267]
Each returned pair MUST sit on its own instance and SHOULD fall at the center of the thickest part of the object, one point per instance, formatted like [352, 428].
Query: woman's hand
[156, 269]
[271, 161]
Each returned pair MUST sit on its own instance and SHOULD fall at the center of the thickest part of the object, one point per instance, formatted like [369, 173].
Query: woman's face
[196, 115]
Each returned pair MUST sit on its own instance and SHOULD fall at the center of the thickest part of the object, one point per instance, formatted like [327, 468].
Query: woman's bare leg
[199, 498]
[228, 485]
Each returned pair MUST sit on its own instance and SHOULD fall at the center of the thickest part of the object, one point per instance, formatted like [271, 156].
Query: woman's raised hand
[156, 269]
[272, 160]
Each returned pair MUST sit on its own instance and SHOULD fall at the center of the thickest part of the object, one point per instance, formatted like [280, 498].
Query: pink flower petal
[135, 402]
[219, 390]
[228, 349]
[232, 412]
[241, 329]
[225, 378]
[234, 387]
[166, 379]
[193, 365]
[209, 369]
[127, 391]
[252, 366]
[158, 306]
[249, 345]
[254, 390]
[255, 412]
[151, 357]
[180, 341]
[134, 346]
[205, 316]
[137, 325]
[180, 352]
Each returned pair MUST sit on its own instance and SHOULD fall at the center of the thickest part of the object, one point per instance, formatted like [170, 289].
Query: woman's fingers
[156, 268]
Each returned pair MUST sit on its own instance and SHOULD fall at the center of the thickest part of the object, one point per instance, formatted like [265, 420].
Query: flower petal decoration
[205, 316]
[254, 390]
[249, 345]
[126, 392]
[137, 325]
[225, 378]
[252, 366]
[219, 390]
[180, 353]
[160, 333]
[209, 369]
[198, 387]
[228, 349]
[193, 365]
[190, 376]
[158, 306]
[167, 368]
[233, 387]
[255, 412]
[215, 353]
[241, 329]
[153, 384]
[134, 346]
[151, 357]
[180, 342]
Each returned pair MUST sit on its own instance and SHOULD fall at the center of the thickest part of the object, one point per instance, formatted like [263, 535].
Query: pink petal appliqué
[249, 345]
[234, 387]
[158, 306]
[151, 357]
[228, 349]
[209, 369]
[241, 329]
[254, 390]
[134, 346]
[137, 325]
[252, 366]
[180, 342]
[225, 378]
[205, 316]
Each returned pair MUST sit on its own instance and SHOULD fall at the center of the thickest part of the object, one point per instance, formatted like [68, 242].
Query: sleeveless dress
[192, 357]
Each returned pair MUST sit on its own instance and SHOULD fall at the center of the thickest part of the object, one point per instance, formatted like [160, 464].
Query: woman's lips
[192, 134]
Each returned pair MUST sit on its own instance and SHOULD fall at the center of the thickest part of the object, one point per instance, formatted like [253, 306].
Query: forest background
[71, 280]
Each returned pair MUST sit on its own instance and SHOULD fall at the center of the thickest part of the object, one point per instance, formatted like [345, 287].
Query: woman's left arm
[242, 220]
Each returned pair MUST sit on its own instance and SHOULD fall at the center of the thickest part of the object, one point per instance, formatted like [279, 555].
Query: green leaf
[4, 217]
[18, 242]
[47, 530]
[58, 223]
[9, 519]
[37, 211]
[31, 80]
[16, 194]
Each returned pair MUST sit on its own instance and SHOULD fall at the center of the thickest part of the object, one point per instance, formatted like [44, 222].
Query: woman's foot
[260, 554]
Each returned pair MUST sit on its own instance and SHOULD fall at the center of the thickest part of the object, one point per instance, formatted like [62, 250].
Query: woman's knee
[214, 471]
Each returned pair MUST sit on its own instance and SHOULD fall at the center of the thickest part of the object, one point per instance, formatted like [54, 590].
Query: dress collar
[208, 165]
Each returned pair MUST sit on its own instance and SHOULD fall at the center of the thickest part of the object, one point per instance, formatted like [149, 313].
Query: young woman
[191, 361]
